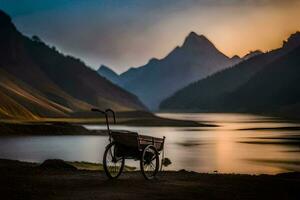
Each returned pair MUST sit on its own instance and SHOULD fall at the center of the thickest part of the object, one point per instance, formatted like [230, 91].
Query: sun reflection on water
[240, 143]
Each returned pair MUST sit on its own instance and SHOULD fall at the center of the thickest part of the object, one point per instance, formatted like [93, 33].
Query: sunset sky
[127, 33]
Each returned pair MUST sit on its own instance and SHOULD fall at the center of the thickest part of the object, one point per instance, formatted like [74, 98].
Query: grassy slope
[22, 101]
[38, 81]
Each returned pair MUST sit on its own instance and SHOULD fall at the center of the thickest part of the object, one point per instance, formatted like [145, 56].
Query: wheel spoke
[113, 164]
[149, 163]
[152, 165]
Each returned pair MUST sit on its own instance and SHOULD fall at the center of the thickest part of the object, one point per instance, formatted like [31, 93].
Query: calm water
[240, 144]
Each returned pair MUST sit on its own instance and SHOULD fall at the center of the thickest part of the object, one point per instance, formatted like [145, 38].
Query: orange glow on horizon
[236, 30]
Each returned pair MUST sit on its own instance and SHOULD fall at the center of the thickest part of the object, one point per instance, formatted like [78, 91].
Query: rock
[183, 171]
[56, 164]
[166, 162]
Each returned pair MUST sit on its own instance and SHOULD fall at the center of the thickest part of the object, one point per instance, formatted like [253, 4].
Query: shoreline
[61, 128]
[279, 116]
[75, 126]
[21, 180]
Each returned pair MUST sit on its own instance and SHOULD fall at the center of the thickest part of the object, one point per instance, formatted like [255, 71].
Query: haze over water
[242, 143]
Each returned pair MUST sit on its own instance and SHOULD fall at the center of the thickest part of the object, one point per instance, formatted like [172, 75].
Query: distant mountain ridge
[274, 89]
[252, 54]
[229, 90]
[109, 74]
[38, 81]
[159, 78]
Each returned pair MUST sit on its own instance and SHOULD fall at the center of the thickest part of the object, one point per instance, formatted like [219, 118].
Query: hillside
[19, 100]
[274, 89]
[158, 79]
[39, 81]
[210, 94]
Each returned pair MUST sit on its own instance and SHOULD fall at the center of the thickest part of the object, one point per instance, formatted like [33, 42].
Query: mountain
[236, 59]
[252, 54]
[159, 78]
[38, 81]
[109, 74]
[214, 92]
[274, 89]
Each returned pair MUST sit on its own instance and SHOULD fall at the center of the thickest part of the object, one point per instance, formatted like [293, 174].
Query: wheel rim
[113, 164]
[150, 162]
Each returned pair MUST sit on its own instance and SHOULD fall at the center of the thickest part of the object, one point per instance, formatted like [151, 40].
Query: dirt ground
[19, 180]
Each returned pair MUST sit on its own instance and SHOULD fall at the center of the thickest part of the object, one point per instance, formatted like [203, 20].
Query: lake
[241, 143]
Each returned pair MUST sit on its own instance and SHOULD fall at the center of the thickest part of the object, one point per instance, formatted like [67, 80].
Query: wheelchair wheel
[149, 162]
[113, 164]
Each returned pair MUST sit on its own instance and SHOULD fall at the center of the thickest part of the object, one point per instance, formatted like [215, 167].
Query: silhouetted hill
[236, 59]
[274, 89]
[109, 74]
[252, 54]
[211, 93]
[36, 80]
[159, 78]
[293, 41]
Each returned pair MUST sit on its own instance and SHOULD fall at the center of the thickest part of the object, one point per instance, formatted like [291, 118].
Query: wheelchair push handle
[106, 116]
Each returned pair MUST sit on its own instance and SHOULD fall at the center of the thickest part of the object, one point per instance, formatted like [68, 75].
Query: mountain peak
[235, 57]
[193, 39]
[153, 61]
[103, 67]
[194, 35]
[293, 41]
[295, 35]
[108, 73]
